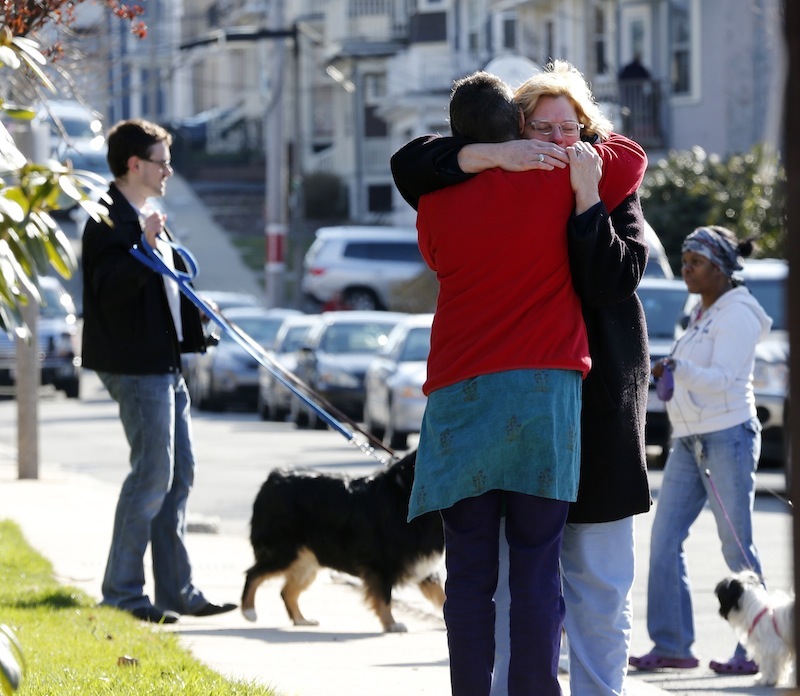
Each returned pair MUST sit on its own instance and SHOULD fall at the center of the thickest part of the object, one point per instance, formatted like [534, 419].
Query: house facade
[355, 79]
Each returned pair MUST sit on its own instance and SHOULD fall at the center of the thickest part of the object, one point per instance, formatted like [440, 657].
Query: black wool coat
[127, 325]
[608, 254]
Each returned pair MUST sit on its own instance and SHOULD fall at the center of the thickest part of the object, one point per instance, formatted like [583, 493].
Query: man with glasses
[136, 325]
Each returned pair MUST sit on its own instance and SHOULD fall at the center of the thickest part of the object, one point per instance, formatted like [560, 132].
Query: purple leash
[728, 519]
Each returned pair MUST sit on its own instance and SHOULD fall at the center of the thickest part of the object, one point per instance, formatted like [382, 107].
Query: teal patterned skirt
[514, 431]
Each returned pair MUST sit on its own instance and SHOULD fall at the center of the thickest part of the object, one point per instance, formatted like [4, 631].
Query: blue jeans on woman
[731, 457]
[155, 414]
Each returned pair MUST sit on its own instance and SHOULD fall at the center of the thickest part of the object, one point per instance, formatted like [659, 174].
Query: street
[237, 450]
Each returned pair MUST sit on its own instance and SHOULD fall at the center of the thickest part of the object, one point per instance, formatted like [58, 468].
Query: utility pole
[277, 187]
[26, 386]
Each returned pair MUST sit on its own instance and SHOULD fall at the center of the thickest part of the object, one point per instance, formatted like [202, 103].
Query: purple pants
[534, 528]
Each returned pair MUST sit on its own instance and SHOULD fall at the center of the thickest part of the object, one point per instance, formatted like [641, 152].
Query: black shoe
[212, 610]
[155, 615]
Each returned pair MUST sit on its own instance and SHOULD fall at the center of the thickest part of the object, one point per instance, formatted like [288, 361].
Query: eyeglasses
[163, 165]
[546, 127]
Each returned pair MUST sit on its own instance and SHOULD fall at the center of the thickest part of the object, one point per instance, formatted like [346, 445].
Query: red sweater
[498, 246]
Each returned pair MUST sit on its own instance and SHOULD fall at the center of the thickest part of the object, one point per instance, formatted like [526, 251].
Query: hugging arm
[607, 252]
[426, 164]
[432, 162]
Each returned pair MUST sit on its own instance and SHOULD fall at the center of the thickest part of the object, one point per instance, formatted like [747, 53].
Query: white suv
[358, 267]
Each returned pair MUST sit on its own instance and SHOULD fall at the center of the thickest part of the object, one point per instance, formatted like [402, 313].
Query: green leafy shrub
[745, 192]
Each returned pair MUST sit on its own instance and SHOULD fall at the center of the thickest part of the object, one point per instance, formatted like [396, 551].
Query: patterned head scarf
[716, 247]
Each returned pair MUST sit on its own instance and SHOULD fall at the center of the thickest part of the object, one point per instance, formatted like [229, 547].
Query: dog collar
[759, 616]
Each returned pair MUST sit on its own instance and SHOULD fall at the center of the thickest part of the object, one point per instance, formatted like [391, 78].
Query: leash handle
[147, 255]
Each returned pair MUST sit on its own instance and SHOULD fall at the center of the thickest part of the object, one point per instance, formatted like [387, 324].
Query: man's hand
[512, 156]
[153, 226]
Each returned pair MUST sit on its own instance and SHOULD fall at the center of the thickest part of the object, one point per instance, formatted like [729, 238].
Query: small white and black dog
[763, 621]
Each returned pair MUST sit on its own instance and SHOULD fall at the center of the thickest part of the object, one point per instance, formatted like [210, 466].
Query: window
[599, 40]
[683, 21]
[380, 198]
[383, 251]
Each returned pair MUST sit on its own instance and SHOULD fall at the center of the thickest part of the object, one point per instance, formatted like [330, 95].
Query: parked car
[657, 261]
[357, 267]
[274, 398]
[666, 302]
[767, 279]
[58, 340]
[394, 402]
[334, 358]
[222, 300]
[227, 374]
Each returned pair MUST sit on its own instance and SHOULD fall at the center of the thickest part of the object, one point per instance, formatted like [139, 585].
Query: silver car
[274, 397]
[666, 302]
[227, 374]
[334, 358]
[58, 340]
[394, 401]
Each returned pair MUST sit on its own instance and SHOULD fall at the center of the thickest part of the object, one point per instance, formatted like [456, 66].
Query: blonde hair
[562, 79]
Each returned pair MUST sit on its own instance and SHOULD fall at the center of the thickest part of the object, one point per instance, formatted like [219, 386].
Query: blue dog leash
[148, 256]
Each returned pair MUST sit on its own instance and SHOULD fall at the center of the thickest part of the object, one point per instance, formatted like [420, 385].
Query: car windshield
[292, 340]
[418, 345]
[261, 330]
[51, 307]
[771, 295]
[663, 309]
[355, 338]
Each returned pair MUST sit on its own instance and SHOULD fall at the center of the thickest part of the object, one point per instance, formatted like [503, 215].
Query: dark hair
[482, 108]
[131, 138]
[744, 247]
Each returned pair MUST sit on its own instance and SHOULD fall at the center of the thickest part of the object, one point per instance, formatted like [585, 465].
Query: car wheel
[395, 439]
[361, 299]
[71, 388]
[263, 408]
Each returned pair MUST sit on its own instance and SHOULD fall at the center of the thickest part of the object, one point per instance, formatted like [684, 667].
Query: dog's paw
[249, 614]
[397, 627]
[306, 622]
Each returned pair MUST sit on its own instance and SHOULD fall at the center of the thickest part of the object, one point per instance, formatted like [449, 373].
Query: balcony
[635, 107]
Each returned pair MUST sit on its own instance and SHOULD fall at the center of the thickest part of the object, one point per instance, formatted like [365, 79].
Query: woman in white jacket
[714, 429]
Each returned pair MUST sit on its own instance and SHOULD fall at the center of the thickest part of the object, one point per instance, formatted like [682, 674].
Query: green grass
[71, 646]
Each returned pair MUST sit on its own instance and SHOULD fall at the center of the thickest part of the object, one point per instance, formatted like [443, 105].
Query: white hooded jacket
[714, 362]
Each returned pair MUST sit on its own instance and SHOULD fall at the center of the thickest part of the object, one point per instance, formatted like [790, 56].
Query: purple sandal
[736, 665]
[653, 661]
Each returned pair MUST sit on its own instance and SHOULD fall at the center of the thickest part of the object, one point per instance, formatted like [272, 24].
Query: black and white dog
[303, 520]
[763, 621]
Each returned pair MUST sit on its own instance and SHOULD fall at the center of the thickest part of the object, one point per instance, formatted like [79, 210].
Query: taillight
[316, 271]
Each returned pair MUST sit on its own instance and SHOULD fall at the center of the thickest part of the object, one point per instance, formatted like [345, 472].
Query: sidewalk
[346, 655]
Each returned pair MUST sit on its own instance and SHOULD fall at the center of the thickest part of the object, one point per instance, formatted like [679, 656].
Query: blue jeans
[534, 527]
[597, 572]
[154, 410]
[731, 458]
